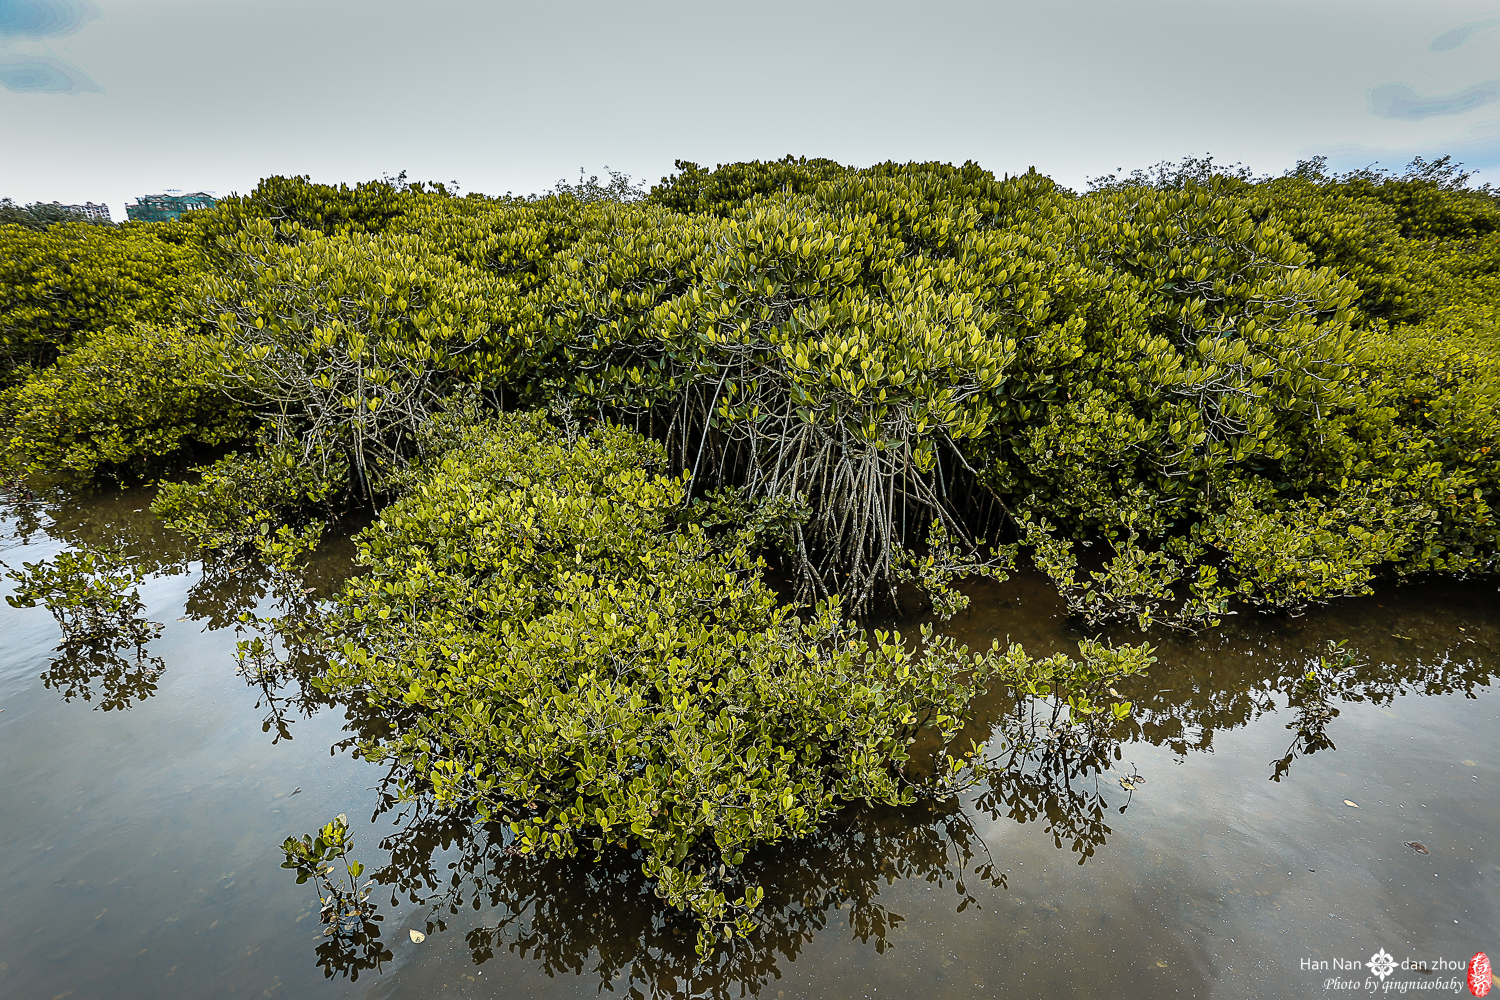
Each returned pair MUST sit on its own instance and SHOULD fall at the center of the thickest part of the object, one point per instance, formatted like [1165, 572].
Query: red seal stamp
[1481, 976]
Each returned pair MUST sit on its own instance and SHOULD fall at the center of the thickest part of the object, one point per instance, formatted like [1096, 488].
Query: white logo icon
[1382, 964]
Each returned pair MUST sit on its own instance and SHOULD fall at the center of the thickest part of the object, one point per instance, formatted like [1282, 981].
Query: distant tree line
[39, 215]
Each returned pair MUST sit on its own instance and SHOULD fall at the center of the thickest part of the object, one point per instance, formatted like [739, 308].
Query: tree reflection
[600, 918]
[279, 655]
[93, 597]
[346, 956]
[351, 922]
[1209, 685]
[94, 668]
[227, 588]
[1071, 805]
[111, 665]
[1312, 696]
[22, 505]
[114, 520]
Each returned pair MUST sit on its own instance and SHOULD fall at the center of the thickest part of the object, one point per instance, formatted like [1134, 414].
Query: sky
[108, 100]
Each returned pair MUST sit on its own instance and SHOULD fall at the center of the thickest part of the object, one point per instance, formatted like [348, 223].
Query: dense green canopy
[1180, 391]
[584, 419]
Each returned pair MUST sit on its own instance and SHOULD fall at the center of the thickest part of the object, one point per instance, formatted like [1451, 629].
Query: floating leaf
[417, 936]
[1351, 803]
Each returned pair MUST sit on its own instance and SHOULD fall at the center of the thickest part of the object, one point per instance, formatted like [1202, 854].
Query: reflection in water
[599, 918]
[359, 950]
[1072, 806]
[94, 668]
[231, 591]
[351, 922]
[109, 521]
[1312, 696]
[273, 660]
[227, 587]
[1228, 682]
[600, 921]
[583, 917]
[93, 596]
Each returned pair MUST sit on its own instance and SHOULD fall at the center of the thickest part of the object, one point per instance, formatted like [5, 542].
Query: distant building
[93, 211]
[166, 207]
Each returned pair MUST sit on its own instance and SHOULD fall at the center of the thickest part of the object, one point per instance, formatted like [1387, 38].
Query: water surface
[144, 802]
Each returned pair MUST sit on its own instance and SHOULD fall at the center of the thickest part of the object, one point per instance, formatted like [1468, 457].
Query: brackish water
[143, 802]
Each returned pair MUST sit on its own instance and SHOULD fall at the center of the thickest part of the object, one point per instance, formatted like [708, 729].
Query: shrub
[93, 596]
[344, 343]
[552, 646]
[122, 404]
[62, 284]
[1181, 390]
[248, 501]
[296, 203]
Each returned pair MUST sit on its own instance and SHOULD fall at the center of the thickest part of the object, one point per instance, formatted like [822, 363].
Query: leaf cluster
[350, 920]
[124, 403]
[61, 284]
[554, 648]
[249, 503]
[1182, 392]
[91, 594]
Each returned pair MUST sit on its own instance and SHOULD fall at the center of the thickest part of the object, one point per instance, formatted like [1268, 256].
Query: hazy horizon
[108, 100]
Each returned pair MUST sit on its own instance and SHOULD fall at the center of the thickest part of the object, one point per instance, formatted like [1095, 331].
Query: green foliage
[555, 646]
[248, 502]
[1180, 394]
[1191, 335]
[345, 343]
[122, 403]
[1359, 238]
[1305, 469]
[722, 190]
[945, 562]
[346, 909]
[293, 204]
[1065, 706]
[91, 593]
[40, 215]
[1375, 227]
[802, 347]
[1121, 366]
[62, 284]
[311, 856]
[1183, 391]
[1312, 695]
[619, 188]
[1431, 200]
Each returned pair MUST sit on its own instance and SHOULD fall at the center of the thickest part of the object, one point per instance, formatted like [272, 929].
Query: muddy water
[140, 842]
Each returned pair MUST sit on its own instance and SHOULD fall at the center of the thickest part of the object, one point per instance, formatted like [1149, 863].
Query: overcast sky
[106, 100]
